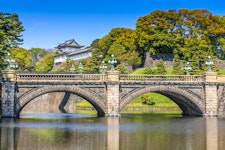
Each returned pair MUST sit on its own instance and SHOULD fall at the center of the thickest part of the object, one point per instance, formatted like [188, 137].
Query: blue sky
[48, 23]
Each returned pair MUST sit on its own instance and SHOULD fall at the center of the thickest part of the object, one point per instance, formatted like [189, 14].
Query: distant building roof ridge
[70, 43]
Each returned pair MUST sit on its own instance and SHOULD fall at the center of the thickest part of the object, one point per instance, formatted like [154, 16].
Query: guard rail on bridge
[172, 78]
[101, 77]
[57, 77]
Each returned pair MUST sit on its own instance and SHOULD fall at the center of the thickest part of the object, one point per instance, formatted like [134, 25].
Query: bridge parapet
[171, 78]
[221, 78]
[40, 77]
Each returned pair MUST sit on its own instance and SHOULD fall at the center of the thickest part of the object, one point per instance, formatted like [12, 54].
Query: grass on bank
[169, 71]
[141, 71]
[84, 104]
[221, 72]
[159, 101]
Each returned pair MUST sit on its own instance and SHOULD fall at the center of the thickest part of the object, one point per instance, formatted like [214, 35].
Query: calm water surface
[128, 132]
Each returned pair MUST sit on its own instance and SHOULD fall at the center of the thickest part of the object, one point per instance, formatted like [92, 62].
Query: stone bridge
[109, 93]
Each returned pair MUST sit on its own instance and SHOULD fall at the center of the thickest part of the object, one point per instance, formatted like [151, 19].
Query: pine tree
[122, 69]
[161, 69]
[177, 69]
[195, 65]
[10, 29]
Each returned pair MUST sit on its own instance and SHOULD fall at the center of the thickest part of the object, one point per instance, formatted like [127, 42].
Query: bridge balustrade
[221, 78]
[65, 77]
[172, 78]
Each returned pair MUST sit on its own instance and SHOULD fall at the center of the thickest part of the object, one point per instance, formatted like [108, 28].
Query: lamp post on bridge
[187, 67]
[11, 63]
[80, 67]
[209, 62]
[112, 61]
[72, 68]
[103, 67]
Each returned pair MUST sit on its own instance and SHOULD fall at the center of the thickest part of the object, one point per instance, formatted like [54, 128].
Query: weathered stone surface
[151, 60]
[50, 103]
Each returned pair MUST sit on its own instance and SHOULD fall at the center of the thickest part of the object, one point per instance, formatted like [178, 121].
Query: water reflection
[212, 133]
[113, 133]
[8, 135]
[129, 132]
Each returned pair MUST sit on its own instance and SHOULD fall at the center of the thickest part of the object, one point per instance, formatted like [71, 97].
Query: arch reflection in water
[60, 133]
[113, 133]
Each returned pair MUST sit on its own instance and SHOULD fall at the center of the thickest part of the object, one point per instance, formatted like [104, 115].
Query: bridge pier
[8, 94]
[211, 95]
[112, 96]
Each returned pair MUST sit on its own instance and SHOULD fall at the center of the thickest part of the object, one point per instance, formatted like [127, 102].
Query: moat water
[142, 131]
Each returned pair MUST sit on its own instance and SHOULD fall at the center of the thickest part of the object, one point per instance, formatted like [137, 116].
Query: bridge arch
[93, 98]
[189, 103]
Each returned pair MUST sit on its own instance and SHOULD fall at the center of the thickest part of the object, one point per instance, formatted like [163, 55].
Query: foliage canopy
[10, 29]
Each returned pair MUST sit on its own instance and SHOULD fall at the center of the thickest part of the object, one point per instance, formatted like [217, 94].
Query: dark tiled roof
[69, 43]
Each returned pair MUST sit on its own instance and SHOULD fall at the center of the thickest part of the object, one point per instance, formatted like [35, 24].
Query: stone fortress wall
[151, 60]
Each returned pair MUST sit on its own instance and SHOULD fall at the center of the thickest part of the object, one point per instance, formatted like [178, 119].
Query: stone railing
[57, 77]
[172, 78]
[221, 78]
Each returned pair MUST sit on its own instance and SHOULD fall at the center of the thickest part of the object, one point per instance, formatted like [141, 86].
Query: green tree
[121, 43]
[184, 32]
[36, 54]
[147, 100]
[155, 32]
[122, 69]
[148, 70]
[113, 36]
[65, 66]
[116, 49]
[22, 57]
[131, 57]
[10, 34]
[92, 64]
[89, 65]
[177, 69]
[160, 67]
[46, 63]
